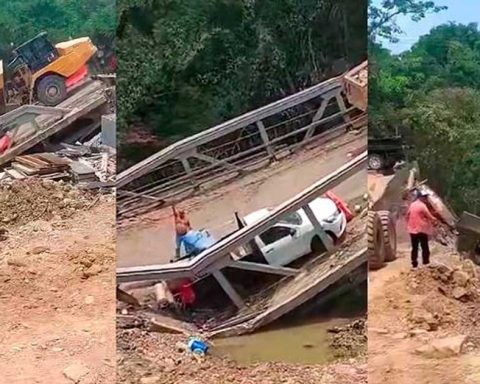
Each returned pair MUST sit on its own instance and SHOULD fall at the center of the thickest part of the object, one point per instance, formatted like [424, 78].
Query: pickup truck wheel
[317, 246]
[375, 161]
[51, 90]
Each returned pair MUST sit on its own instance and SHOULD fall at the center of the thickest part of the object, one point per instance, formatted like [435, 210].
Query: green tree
[185, 66]
[21, 20]
[381, 18]
[431, 94]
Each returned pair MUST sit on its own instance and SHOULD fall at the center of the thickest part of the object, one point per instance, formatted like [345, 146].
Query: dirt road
[57, 299]
[152, 241]
[398, 341]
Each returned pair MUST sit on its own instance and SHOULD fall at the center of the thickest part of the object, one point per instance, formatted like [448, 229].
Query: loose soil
[408, 309]
[57, 286]
[33, 199]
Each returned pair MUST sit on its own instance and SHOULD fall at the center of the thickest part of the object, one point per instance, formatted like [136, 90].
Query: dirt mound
[451, 295]
[29, 200]
[351, 340]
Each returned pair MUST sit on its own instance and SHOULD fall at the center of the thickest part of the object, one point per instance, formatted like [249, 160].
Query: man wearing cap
[420, 226]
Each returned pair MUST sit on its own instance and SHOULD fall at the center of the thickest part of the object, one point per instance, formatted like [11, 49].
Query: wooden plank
[54, 159]
[29, 162]
[15, 174]
[25, 169]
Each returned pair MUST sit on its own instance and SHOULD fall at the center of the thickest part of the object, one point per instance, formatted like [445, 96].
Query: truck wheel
[317, 246]
[51, 90]
[375, 242]
[389, 235]
[375, 161]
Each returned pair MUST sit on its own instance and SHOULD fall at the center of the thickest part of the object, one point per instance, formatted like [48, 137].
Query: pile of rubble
[351, 340]
[87, 165]
[78, 140]
[28, 200]
[452, 293]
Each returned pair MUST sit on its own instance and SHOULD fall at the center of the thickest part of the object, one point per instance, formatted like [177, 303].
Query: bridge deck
[288, 294]
[30, 130]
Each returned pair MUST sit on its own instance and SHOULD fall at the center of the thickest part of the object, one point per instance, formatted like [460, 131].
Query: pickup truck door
[279, 245]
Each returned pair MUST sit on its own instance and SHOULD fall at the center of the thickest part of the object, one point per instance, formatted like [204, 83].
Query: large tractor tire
[389, 235]
[51, 90]
[375, 239]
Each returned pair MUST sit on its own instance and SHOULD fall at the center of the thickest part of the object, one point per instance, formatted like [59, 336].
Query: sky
[459, 11]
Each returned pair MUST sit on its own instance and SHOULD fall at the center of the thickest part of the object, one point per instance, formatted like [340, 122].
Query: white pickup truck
[290, 239]
[294, 236]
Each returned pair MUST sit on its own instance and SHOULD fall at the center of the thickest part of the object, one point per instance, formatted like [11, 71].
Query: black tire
[375, 161]
[317, 246]
[51, 90]
[389, 235]
[376, 248]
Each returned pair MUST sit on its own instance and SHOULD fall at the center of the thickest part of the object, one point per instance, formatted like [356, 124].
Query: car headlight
[333, 218]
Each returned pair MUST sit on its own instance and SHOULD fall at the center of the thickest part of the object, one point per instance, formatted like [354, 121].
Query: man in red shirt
[420, 226]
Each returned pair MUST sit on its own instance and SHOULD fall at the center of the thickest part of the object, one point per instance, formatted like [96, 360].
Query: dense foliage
[21, 20]
[431, 94]
[186, 65]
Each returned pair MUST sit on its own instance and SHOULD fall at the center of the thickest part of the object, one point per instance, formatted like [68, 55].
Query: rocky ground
[351, 340]
[427, 319]
[57, 257]
[158, 358]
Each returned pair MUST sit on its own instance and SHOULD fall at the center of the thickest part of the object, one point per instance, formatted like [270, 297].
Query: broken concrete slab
[443, 348]
[76, 372]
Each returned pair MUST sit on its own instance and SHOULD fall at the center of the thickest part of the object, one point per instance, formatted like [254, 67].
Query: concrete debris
[76, 372]
[351, 340]
[443, 348]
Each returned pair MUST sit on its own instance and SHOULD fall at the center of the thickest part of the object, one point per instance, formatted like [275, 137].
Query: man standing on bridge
[420, 226]
[182, 226]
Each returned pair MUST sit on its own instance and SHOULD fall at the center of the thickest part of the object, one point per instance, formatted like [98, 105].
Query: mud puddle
[302, 337]
[306, 344]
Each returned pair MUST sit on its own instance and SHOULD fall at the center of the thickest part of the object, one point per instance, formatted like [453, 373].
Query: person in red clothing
[420, 223]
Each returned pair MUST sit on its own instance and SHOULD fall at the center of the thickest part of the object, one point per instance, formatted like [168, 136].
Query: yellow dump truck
[41, 71]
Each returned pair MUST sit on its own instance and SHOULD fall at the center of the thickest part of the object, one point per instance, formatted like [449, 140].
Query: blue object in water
[197, 346]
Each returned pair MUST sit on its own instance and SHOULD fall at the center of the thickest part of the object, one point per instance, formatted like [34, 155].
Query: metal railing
[219, 255]
[239, 145]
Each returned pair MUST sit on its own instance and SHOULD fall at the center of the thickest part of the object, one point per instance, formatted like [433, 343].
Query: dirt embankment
[158, 358]
[427, 319]
[57, 263]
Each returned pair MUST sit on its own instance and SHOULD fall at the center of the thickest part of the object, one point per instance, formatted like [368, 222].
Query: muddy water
[301, 336]
[306, 344]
